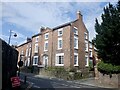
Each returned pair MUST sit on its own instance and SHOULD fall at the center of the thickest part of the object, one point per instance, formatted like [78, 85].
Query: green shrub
[72, 70]
[91, 68]
[108, 68]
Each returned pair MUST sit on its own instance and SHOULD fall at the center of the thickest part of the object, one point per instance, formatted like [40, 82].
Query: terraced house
[66, 46]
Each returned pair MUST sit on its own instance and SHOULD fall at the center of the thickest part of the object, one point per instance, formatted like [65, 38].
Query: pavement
[87, 81]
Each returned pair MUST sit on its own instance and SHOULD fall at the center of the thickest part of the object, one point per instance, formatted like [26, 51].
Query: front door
[45, 61]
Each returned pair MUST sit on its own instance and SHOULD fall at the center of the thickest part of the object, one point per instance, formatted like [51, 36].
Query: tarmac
[87, 81]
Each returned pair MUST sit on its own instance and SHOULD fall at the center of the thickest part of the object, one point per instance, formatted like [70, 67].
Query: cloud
[33, 15]
[59, 0]
[30, 16]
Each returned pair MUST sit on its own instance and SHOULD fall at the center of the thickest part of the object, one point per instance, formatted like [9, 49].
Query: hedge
[107, 68]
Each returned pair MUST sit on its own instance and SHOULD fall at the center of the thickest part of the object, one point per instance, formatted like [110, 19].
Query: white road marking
[36, 86]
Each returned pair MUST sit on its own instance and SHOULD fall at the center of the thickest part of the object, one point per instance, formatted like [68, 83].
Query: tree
[107, 39]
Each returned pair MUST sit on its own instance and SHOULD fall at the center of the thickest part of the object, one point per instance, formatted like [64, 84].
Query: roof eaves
[63, 25]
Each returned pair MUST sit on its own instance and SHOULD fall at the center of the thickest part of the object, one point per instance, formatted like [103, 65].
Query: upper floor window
[75, 59]
[29, 51]
[46, 46]
[86, 35]
[30, 45]
[86, 45]
[37, 38]
[60, 43]
[46, 35]
[60, 32]
[26, 52]
[90, 53]
[22, 52]
[60, 59]
[75, 42]
[75, 31]
[86, 61]
[36, 48]
[90, 45]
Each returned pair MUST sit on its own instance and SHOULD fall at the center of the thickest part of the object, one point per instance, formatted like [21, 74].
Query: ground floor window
[28, 62]
[35, 60]
[75, 59]
[86, 60]
[60, 59]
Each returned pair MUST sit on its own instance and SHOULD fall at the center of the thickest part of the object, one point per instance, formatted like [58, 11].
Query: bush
[91, 68]
[72, 70]
[57, 71]
[107, 68]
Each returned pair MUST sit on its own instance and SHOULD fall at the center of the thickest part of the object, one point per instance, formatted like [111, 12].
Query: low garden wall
[65, 74]
[112, 80]
[59, 72]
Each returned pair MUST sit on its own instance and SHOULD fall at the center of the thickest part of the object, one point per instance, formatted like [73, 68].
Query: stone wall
[109, 80]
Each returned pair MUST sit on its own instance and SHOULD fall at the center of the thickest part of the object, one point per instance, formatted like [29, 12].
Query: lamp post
[15, 35]
[20, 63]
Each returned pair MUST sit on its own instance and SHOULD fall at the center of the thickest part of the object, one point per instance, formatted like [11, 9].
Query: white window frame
[61, 29]
[75, 28]
[22, 52]
[57, 61]
[86, 35]
[86, 45]
[90, 45]
[29, 45]
[77, 42]
[77, 59]
[45, 46]
[90, 53]
[36, 50]
[29, 51]
[37, 39]
[25, 63]
[87, 63]
[28, 62]
[59, 43]
[34, 61]
[26, 52]
[47, 34]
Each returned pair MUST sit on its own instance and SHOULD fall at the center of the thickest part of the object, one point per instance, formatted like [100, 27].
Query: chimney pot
[78, 14]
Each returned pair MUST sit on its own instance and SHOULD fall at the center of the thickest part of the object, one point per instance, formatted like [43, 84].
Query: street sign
[15, 81]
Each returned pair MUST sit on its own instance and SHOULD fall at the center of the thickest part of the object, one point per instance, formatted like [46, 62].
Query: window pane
[60, 32]
[75, 31]
[59, 59]
[75, 59]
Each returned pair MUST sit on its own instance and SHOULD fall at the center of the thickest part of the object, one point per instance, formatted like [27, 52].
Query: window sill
[59, 64]
[45, 50]
[76, 65]
[86, 65]
[36, 52]
[59, 48]
[75, 47]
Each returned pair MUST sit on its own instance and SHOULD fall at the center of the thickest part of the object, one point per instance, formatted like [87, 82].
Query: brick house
[66, 45]
[25, 50]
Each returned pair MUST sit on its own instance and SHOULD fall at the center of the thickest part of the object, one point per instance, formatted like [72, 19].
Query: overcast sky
[25, 18]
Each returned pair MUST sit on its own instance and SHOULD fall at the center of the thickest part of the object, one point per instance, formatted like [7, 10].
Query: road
[38, 82]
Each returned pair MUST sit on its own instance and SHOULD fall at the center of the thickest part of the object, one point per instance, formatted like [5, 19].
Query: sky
[26, 17]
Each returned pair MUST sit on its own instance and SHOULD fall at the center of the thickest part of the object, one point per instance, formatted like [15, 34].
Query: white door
[45, 61]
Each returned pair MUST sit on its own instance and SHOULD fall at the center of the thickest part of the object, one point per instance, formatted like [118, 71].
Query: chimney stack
[79, 15]
[28, 39]
[42, 29]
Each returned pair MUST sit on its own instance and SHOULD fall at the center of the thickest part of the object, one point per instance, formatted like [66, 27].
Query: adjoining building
[66, 46]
